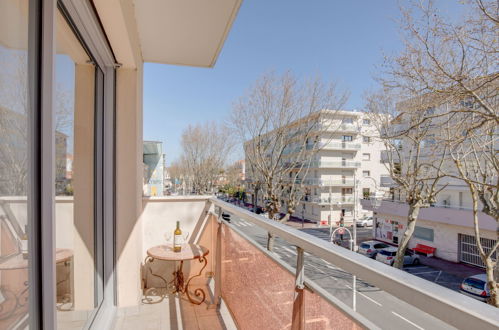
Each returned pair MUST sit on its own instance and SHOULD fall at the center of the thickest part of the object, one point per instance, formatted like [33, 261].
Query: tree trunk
[270, 241]
[491, 282]
[411, 224]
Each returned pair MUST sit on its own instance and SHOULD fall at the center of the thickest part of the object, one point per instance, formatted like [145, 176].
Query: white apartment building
[346, 167]
[446, 226]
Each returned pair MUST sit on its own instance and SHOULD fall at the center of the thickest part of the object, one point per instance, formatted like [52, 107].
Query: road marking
[363, 295]
[369, 298]
[433, 271]
[438, 276]
[410, 322]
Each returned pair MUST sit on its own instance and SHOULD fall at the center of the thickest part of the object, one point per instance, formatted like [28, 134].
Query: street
[381, 308]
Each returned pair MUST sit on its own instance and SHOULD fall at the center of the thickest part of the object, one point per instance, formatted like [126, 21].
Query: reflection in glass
[74, 179]
[14, 116]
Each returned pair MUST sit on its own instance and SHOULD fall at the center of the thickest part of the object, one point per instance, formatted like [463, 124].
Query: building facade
[154, 168]
[447, 224]
[345, 167]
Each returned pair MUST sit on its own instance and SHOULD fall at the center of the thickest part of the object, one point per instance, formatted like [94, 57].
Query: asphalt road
[383, 309]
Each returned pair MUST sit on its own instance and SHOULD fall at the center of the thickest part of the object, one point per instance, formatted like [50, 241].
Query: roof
[175, 32]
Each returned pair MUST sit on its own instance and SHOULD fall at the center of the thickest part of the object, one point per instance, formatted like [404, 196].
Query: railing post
[298, 317]
[218, 262]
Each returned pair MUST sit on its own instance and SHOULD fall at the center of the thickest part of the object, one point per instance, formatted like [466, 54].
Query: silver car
[371, 248]
[476, 287]
[387, 256]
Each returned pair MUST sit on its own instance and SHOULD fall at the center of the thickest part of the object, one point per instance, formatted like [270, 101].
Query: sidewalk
[456, 269]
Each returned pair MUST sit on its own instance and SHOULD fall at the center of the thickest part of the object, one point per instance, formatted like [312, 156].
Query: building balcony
[387, 181]
[250, 288]
[329, 182]
[335, 164]
[341, 128]
[245, 286]
[339, 146]
[441, 213]
[346, 199]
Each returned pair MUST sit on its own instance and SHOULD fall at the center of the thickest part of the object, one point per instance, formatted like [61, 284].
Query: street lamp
[356, 192]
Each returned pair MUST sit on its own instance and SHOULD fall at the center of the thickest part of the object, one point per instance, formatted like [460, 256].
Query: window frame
[41, 191]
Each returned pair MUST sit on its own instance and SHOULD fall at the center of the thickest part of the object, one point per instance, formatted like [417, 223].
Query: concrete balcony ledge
[440, 214]
[179, 198]
[447, 305]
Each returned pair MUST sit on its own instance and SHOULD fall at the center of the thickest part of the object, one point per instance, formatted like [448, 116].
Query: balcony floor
[172, 313]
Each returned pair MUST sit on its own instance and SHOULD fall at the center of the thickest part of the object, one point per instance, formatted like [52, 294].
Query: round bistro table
[166, 253]
[18, 261]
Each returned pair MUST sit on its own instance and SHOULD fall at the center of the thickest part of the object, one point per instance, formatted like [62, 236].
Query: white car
[387, 256]
[476, 287]
[371, 248]
[365, 222]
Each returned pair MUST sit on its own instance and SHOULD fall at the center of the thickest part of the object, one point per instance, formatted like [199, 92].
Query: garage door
[468, 251]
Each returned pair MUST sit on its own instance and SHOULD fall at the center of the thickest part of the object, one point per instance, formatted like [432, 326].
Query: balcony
[387, 181]
[339, 146]
[441, 213]
[337, 164]
[257, 289]
[306, 283]
[329, 182]
[345, 199]
[341, 128]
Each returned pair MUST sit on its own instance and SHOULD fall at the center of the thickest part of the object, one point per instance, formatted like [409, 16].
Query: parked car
[371, 248]
[387, 256]
[475, 286]
[365, 222]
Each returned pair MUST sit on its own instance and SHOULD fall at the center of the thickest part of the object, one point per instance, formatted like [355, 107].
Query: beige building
[345, 168]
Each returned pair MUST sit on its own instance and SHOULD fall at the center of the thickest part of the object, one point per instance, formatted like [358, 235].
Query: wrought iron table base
[176, 285]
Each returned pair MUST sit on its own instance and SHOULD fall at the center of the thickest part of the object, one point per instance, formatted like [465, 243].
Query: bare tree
[278, 123]
[414, 159]
[454, 64]
[454, 61]
[205, 149]
[474, 154]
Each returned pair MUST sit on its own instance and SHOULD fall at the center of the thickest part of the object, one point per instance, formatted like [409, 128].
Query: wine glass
[185, 236]
[168, 237]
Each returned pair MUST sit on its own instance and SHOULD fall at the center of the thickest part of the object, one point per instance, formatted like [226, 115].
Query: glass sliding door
[78, 182]
[15, 116]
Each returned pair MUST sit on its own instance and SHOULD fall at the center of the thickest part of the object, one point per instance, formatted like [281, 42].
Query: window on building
[347, 138]
[366, 173]
[347, 121]
[346, 191]
[366, 156]
[366, 139]
[424, 233]
[366, 122]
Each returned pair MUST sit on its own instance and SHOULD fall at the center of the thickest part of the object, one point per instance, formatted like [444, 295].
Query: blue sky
[342, 40]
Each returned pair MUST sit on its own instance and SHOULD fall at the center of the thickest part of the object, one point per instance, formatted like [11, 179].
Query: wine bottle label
[178, 240]
[24, 246]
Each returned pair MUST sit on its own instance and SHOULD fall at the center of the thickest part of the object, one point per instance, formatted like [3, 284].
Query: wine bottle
[177, 238]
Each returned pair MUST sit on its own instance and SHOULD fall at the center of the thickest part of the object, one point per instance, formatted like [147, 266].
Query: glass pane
[14, 161]
[75, 193]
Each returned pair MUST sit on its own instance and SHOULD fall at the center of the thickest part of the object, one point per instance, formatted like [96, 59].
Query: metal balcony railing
[333, 164]
[328, 182]
[265, 291]
[339, 146]
[346, 199]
